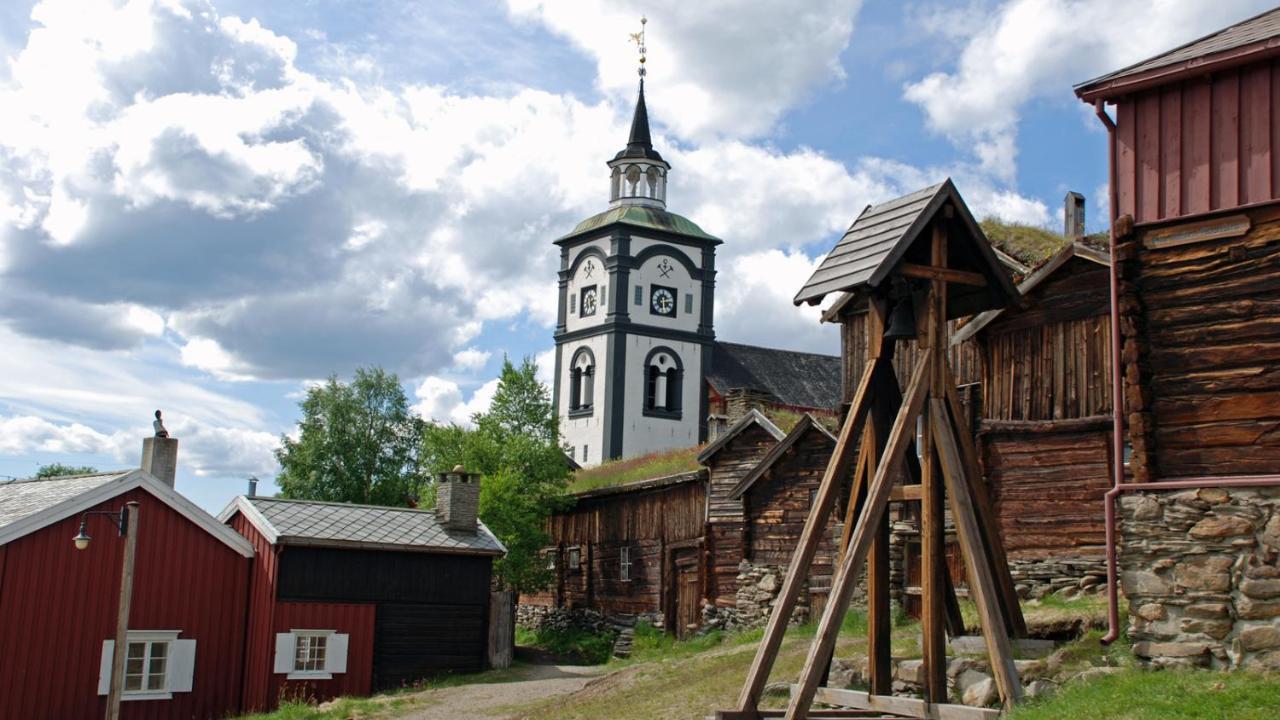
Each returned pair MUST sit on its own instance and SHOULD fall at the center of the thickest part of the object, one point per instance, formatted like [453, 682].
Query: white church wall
[645, 434]
[599, 277]
[583, 431]
[687, 290]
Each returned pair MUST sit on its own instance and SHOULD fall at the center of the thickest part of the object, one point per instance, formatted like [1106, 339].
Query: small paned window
[573, 303]
[688, 303]
[639, 295]
[146, 665]
[551, 559]
[309, 653]
[574, 559]
[624, 564]
[586, 456]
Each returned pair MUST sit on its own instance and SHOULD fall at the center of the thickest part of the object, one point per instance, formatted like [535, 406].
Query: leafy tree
[357, 442]
[58, 470]
[514, 445]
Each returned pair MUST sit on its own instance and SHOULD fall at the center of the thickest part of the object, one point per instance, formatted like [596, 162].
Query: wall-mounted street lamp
[120, 519]
[126, 522]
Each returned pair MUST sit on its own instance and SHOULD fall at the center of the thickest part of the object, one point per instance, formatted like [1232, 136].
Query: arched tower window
[615, 191]
[664, 382]
[582, 375]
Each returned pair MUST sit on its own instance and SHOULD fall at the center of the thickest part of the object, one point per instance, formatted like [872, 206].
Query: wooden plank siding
[778, 504]
[966, 362]
[647, 522]
[1210, 365]
[1201, 145]
[726, 515]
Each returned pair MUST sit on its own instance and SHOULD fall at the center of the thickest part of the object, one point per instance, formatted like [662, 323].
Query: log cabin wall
[778, 504]
[966, 362]
[646, 521]
[1201, 324]
[726, 515]
[1044, 435]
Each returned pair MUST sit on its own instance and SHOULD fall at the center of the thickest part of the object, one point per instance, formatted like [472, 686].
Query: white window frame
[624, 563]
[336, 647]
[179, 664]
[573, 558]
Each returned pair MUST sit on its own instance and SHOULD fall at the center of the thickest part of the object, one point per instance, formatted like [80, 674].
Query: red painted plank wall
[58, 604]
[1200, 146]
[356, 620]
[260, 644]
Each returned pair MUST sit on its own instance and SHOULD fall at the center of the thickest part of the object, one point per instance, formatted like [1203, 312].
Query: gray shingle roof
[24, 498]
[797, 379]
[887, 234]
[305, 522]
[1247, 32]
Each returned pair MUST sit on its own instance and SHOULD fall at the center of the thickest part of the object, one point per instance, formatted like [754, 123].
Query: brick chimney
[1073, 216]
[160, 453]
[458, 499]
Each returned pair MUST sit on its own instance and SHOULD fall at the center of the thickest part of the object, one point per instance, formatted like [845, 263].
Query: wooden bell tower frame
[876, 444]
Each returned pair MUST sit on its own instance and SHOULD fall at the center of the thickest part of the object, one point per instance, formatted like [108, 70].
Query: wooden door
[687, 592]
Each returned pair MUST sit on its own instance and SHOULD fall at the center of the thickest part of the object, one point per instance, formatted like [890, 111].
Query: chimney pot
[253, 486]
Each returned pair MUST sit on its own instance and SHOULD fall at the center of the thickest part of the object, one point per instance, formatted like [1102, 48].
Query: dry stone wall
[1201, 571]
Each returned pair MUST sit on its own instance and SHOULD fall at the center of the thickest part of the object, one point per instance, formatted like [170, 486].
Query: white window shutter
[335, 656]
[284, 653]
[104, 667]
[182, 665]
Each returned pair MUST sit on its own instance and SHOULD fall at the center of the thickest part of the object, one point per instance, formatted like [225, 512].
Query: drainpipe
[1117, 415]
[1117, 388]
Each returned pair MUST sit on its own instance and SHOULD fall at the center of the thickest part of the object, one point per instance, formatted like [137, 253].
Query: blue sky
[207, 205]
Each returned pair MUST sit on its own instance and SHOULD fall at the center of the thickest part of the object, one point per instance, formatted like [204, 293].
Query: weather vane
[638, 39]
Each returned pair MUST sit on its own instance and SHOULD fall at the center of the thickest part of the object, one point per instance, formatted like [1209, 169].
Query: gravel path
[493, 701]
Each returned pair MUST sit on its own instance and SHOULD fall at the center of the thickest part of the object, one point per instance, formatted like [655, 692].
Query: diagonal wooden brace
[846, 576]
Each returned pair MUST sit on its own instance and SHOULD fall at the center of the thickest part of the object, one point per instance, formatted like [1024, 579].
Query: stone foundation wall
[1201, 570]
[758, 588]
[537, 617]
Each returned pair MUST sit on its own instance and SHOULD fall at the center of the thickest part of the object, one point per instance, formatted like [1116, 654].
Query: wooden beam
[905, 493]
[931, 272]
[985, 510]
[879, 616]
[933, 556]
[909, 706]
[814, 527]
[982, 584]
[846, 576]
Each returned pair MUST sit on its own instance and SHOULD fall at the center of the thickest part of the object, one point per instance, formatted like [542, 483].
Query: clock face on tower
[662, 301]
[589, 302]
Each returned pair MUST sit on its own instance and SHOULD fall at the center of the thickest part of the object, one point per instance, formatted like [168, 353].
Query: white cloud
[26, 434]
[472, 358]
[756, 307]
[724, 68]
[1027, 50]
[441, 400]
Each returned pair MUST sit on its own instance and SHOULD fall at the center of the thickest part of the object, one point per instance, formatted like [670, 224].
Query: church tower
[634, 330]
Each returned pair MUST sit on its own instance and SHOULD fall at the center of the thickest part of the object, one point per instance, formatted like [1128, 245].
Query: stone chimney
[1073, 216]
[160, 453]
[458, 499]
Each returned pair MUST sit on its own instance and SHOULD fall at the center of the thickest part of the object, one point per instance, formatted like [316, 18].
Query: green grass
[1029, 244]
[574, 644]
[644, 467]
[1135, 694]
[341, 709]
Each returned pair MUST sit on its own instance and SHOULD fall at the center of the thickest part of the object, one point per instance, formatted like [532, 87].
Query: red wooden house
[348, 599]
[58, 604]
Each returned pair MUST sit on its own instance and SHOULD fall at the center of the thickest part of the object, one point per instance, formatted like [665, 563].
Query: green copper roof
[643, 217]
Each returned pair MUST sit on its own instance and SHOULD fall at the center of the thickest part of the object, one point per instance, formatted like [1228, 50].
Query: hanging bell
[902, 320]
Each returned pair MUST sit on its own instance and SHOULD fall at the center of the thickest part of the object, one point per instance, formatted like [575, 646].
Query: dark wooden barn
[1195, 184]
[58, 604]
[1044, 419]
[728, 460]
[777, 496]
[632, 549]
[348, 599]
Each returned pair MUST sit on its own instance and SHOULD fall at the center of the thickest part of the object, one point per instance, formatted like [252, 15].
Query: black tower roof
[639, 144]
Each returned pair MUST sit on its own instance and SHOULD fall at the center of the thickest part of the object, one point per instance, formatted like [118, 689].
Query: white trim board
[112, 488]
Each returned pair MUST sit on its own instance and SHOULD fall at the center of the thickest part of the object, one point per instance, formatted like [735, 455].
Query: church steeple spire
[639, 173]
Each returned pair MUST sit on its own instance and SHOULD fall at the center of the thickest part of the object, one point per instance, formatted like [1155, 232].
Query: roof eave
[1111, 85]
[753, 416]
[296, 541]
